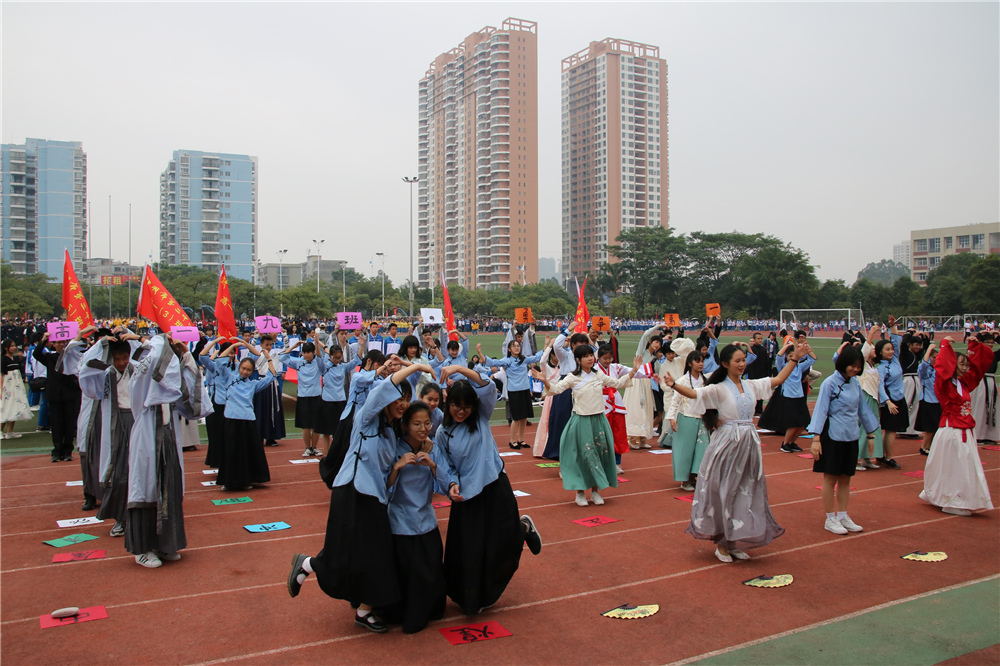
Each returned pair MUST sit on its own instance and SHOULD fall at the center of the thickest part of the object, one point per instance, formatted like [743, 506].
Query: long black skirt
[356, 563]
[329, 416]
[485, 539]
[215, 426]
[151, 527]
[782, 413]
[331, 463]
[242, 461]
[270, 413]
[420, 571]
[559, 412]
[114, 503]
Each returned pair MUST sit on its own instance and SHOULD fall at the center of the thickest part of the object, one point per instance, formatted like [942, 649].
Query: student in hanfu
[63, 391]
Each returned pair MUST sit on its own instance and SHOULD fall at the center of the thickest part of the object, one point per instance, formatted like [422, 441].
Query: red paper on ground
[622, 479]
[440, 505]
[473, 633]
[992, 448]
[686, 498]
[85, 615]
[595, 521]
[80, 556]
[918, 474]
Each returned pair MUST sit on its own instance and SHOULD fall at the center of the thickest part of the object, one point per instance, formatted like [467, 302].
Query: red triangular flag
[449, 314]
[158, 305]
[582, 313]
[224, 308]
[73, 300]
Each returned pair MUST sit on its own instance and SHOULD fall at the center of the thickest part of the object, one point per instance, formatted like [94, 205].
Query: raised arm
[466, 372]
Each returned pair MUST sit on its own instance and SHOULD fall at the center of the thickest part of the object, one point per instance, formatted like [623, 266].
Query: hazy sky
[837, 127]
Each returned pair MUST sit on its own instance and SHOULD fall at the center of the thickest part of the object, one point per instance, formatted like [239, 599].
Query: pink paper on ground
[919, 474]
[80, 556]
[440, 505]
[622, 479]
[595, 521]
[85, 615]
[473, 633]
[685, 498]
[805, 455]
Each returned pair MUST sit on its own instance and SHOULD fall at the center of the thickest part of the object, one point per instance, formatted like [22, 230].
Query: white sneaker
[850, 525]
[833, 525]
[13, 435]
[149, 560]
[860, 468]
[307, 453]
[169, 557]
[596, 498]
[687, 486]
[956, 512]
[618, 468]
[581, 498]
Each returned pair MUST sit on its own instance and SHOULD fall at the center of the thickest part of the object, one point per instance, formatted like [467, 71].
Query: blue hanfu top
[239, 394]
[410, 510]
[792, 388]
[447, 359]
[927, 376]
[309, 374]
[216, 371]
[474, 459]
[891, 372]
[567, 362]
[517, 370]
[841, 402]
[361, 384]
[373, 445]
[711, 365]
[334, 377]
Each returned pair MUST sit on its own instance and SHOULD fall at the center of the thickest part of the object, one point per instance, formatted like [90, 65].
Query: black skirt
[307, 412]
[657, 401]
[356, 563]
[928, 417]
[270, 413]
[838, 458]
[560, 409]
[216, 432]
[520, 405]
[330, 465]
[114, 503]
[329, 416]
[160, 525]
[485, 539]
[783, 414]
[898, 422]
[420, 571]
[243, 461]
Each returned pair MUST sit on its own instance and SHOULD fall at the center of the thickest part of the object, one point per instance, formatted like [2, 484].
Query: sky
[837, 127]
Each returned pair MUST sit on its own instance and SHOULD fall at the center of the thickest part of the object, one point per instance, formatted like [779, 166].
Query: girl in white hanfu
[730, 503]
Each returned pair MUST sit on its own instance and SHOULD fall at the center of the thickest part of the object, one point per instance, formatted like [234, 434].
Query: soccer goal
[930, 322]
[836, 320]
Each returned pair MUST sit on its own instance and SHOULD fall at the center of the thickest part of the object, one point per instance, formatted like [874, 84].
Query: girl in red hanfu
[954, 478]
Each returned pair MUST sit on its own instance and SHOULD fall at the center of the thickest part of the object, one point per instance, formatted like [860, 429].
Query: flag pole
[128, 271]
[111, 262]
[90, 249]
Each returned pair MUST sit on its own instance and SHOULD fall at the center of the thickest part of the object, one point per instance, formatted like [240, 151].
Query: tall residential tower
[44, 186]
[208, 212]
[614, 149]
[478, 161]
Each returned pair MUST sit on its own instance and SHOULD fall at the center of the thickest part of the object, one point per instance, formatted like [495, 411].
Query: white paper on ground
[73, 522]
[304, 461]
[208, 483]
[209, 471]
[521, 493]
[507, 453]
[74, 483]
[659, 452]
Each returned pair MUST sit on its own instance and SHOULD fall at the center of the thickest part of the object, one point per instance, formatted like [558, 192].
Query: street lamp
[381, 256]
[411, 181]
[281, 300]
[319, 246]
[343, 268]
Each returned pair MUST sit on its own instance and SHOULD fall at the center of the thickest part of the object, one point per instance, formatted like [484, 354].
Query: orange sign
[673, 320]
[601, 324]
[712, 309]
[523, 316]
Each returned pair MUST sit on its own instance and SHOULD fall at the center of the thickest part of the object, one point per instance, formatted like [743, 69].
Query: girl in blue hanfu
[730, 502]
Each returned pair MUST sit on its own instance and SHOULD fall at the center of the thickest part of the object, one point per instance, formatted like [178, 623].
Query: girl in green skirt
[690, 436]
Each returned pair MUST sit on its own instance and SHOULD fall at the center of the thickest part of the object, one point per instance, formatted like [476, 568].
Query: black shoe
[924, 452]
[67, 458]
[89, 503]
[293, 578]
[56, 458]
[531, 536]
[514, 445]
[372, 623]
[189, 448]
[795, 447]
[788, 448]
[891, 463]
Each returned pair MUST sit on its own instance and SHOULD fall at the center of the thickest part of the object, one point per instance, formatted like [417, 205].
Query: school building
[929, 246]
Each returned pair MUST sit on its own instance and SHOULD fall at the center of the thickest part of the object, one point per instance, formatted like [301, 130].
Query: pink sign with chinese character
[62, 330]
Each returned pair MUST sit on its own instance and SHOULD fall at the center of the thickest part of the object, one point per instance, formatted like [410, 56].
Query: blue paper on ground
[267, 527]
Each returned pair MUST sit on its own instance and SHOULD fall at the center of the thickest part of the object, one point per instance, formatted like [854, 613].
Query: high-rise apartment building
[614, 149]
[44, 206]
[901, 253]
[478, 161]
[930, 246]
[208, 212]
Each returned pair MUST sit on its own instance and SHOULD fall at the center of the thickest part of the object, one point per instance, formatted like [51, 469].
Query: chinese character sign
[673, 320]
[523, 316]
[268, 324]
[712, 309]
[62, 330]
[185, 333]
[601, 323]
[349, 320]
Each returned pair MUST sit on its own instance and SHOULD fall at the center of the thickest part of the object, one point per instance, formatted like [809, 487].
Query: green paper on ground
[232, 500]
[70, 540]
[555, 464]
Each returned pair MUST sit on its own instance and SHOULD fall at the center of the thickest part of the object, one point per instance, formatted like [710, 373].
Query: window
[963, 242]
[935, 262]
[921, 261]
[922, 245]
[920, 277]
[979, 242]
[934, 244]
[948, 242]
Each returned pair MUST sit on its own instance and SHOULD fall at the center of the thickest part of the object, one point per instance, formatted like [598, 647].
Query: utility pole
[411, 181]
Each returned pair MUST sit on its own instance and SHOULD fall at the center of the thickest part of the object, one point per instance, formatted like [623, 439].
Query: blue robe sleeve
[263, 382]
[384, 394]
[822, 409]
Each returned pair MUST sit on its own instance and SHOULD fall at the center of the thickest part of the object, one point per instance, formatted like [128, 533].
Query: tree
[303, 301]
[982, 289]
[777, 277]
[833, 294]
[652, 263]
[884, 272]
[945, 283]
[872, 298]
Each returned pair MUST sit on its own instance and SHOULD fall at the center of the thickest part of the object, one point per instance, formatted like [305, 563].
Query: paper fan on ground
[627, 612]
[781, 580]
[921, 556]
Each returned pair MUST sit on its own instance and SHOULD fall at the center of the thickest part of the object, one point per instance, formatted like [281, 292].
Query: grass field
[33, 443]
